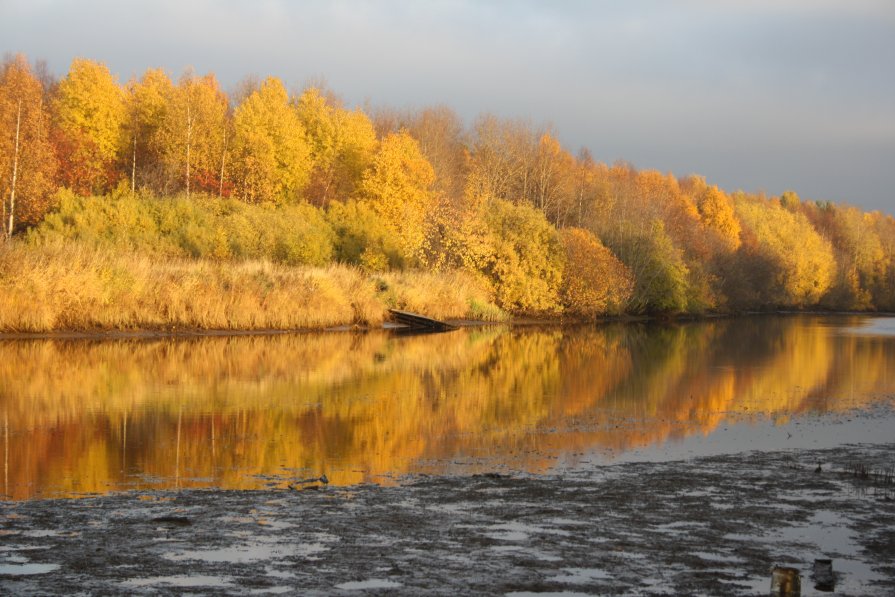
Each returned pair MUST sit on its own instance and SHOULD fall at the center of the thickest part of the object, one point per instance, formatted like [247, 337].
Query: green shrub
[198, 227]
[364, 238]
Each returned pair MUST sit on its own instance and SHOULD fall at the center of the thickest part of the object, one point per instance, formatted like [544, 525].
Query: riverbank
[73, 289]
[706, 526]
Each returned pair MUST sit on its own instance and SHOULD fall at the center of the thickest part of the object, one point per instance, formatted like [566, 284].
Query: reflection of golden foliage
[79, 415]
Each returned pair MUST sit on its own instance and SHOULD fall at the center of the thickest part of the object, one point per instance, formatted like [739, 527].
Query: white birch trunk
[223, 160]
[134, 167]
[189, 137]
[15, 172]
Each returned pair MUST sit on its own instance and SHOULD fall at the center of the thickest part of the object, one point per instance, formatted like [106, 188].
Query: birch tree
[271, 157]
[341, 143]
[192, 135]
[27, 164]
[90, 113]
[147, 105]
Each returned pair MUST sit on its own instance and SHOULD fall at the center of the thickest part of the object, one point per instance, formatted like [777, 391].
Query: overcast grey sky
[754, 94]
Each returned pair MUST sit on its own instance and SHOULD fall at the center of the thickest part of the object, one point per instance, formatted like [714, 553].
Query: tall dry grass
[442, 294]
[65, 286]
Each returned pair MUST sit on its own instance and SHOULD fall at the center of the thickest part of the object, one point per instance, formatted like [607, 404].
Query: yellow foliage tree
[859, 251]
[398, 186]
[27, 164]
[514, 248]
[147, 105]
[594, 281]
[192, 137]
[90, 112]
[342, 143]
[799, 263]
[272, 161]
[884, 289]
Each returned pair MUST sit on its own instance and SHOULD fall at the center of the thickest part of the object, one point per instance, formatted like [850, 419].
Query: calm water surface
[82, 417]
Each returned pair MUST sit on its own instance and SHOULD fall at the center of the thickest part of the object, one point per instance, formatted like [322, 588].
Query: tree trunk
[15, 172]
[189, 136]
[223, 160]
[134, 167]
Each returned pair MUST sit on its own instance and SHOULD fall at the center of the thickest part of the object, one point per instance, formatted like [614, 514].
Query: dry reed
[67, 286]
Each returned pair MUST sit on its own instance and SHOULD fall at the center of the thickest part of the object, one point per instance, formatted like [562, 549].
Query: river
[85, 417]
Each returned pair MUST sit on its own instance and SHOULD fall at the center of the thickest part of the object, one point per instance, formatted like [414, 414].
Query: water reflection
[86, 417]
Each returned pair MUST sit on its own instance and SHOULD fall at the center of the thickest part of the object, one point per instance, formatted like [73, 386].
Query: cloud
[753, 94]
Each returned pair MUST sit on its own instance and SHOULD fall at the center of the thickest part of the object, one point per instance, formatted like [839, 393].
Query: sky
[758, 95]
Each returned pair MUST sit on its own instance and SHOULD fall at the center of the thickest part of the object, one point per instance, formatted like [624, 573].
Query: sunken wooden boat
[415, 321]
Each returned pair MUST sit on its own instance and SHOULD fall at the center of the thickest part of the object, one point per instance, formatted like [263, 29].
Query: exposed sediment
[707, 526]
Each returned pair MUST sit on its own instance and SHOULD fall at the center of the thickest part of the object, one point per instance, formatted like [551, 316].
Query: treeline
[180, 168]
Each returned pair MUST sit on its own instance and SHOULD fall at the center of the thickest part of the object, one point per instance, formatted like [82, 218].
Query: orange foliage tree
[594, 281]
[27, 163]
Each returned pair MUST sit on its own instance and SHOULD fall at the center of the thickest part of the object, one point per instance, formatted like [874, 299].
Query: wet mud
[714, 525]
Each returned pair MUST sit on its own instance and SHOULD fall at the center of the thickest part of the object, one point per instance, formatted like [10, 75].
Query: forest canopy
[178, 168]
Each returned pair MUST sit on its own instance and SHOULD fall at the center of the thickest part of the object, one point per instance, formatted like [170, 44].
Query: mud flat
[712, 525]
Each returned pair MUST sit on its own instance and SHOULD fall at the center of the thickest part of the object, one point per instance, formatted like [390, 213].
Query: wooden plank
[417, 321]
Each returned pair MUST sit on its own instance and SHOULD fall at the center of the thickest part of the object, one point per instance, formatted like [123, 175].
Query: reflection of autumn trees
[82, 416]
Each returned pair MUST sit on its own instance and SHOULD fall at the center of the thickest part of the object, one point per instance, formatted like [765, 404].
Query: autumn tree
[859, 251]
[271, 157]
[439, 131]
[790, 201]
[89, 111]
[193, 134]
[654, 228]
[146, 108]
[341, 143]
[552, 181]
[398, 187]
[27, 163]
[594, 281]
[592, 199]
[502, 155]
[511, 160]
[792, 265]
[660, 272]
[884, 289]
[442, 140]
[515, 249]
[717, 213]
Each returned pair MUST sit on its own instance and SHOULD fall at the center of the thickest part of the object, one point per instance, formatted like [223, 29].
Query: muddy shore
[712, 525]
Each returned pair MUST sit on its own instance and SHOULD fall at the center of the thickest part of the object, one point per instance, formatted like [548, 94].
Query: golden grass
[442, 295]
[66, 286]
